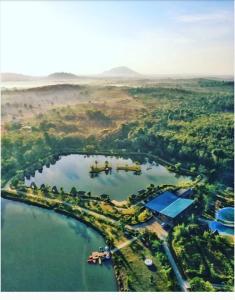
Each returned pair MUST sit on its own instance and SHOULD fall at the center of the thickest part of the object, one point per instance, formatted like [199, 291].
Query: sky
[89, 37]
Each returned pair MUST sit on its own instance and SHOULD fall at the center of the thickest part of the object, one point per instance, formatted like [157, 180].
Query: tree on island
[43, 187]
[14, 182]
[33, 185]
[62, 191]
[55, 190]
[73, 192]
[104, 197]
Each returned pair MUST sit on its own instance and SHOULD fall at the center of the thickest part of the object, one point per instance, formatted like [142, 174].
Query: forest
[188, 123]
[204, 256]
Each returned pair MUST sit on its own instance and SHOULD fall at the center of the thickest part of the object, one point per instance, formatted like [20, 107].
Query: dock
[99, 256]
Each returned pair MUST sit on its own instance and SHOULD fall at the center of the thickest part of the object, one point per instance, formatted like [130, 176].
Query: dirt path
[127, 243]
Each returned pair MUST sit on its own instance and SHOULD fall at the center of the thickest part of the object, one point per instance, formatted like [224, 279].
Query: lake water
[44, 251]
[73, 170]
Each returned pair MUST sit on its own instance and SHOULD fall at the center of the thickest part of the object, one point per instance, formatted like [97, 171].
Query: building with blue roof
[169, 207]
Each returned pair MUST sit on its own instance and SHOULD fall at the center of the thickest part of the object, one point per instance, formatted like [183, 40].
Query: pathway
[124, 244]
[184, 285]
[154, 226]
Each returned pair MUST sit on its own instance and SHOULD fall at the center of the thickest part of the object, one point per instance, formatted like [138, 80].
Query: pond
[45, 251]
[74, 170]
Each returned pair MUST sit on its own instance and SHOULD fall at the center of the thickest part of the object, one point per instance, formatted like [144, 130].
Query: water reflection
[74, 170]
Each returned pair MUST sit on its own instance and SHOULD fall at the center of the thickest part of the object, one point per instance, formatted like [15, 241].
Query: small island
[95, 169]
[134, 167]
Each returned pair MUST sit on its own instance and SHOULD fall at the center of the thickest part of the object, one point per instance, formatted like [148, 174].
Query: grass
[137, 276]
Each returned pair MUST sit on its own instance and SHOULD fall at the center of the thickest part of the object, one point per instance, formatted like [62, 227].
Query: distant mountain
[62, 75]
[15, 77]
[120, 72]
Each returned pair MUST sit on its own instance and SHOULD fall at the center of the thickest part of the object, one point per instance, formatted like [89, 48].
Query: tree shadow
[152, 268]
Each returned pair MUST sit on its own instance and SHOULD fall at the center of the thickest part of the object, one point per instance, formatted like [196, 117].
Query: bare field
[69, 108]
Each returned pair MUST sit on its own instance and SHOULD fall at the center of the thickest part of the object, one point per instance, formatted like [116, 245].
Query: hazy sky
[88, 37]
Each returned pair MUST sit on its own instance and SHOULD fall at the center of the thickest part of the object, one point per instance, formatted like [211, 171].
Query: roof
[162, 201]
[169, 204]
[226, 216]
[177, 207]
[183, 192]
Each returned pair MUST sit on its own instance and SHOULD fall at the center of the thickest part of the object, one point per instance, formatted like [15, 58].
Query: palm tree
[33, 185]
[43, 187]
[73, 191]
[61, 190]
[54, 190]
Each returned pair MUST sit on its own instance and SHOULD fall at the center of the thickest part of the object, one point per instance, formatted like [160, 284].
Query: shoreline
[68, 214]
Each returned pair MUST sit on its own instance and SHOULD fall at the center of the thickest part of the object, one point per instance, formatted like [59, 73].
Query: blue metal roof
[162, 201]
[169, 204]
[176, 207]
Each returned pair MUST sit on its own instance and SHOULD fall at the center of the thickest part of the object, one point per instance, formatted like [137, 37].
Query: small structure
[226, 216]
[148, 262]
[224, 223]
[184, 192]
[99, 256]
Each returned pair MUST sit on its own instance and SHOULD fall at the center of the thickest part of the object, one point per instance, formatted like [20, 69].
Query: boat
[100, 262]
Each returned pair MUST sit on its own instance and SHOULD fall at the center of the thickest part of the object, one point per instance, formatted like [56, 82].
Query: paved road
[184, 285]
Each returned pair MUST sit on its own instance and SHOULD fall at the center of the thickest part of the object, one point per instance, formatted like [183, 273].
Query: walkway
[127, 243]
[184, 285]
[154, 226]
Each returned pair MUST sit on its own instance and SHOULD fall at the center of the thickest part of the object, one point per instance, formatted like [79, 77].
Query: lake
[44, 251]
[73, 170]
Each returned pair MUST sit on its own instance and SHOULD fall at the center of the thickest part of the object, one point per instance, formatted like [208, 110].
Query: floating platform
[99, 256]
